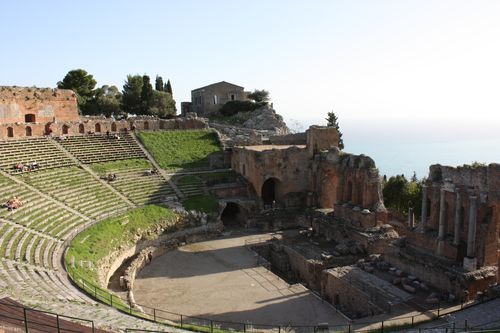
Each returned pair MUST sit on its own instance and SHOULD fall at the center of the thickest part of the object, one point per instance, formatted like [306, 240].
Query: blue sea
[393, 157]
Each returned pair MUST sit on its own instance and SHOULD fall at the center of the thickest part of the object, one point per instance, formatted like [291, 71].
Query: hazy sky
[391, 70]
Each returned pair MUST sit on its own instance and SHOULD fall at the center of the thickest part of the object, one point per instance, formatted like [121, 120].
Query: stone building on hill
[209, 99]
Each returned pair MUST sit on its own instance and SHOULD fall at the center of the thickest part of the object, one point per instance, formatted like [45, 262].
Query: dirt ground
[221, 280]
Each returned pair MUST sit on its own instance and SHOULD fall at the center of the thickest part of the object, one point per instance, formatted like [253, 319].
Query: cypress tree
[168, 88]
[332, 121]
[146, 94]
[159, 83]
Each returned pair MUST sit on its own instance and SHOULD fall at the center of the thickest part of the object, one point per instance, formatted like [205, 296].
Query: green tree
[260, 96]
[131, 94]
[168, 88]
[162, 105]
[107, 101]
[82, 83]
[146, 94]
[159, 83]
[400, 194]
[333, 121]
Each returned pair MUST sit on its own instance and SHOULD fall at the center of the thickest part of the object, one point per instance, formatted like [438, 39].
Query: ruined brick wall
[43, 104]
[321, 138]
[350, 184]
[289, 167]
[289, 139]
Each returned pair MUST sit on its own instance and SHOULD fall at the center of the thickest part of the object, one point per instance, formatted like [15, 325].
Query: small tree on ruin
[332, 121]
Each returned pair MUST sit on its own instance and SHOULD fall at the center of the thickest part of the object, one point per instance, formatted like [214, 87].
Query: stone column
[423, 219]
[442, 213]
[411, 220]
[470, 261]
[458, 218]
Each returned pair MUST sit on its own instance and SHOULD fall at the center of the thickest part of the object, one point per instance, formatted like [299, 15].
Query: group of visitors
[21, 167]
[111, 177]
[14, 203]
[112, 136]
[151, 172]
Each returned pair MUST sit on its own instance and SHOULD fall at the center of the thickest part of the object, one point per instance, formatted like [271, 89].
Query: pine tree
[332, 121]
[168, 88]
[159, 83]
[146, 94]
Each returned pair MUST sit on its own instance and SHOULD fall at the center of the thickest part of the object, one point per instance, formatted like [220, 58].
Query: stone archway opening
[65, 129]
[233, 215]
[146, 125]
[81, 129]
[271, 193]
[10, 132]
[113, 127]
[28, 131]
[97, 128]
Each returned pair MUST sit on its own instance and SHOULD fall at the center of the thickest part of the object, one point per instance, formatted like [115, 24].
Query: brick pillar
[458, 218]
[423, 219]
[442, 221]
[470, 261]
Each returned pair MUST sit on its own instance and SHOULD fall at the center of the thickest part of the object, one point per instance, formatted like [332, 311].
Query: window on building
[29, 118]
[216, 99]
[232, 97]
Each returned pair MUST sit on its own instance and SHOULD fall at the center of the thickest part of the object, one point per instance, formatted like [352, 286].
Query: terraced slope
[40, 150]
[79, 190]
[100, 148]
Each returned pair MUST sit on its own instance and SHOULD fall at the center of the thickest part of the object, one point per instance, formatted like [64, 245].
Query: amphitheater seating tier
[41, 150]
[79, 190]
[190, 185]
[101, 148]
[142, 188]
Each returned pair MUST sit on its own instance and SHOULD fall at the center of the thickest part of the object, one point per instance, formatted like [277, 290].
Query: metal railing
[42, 320]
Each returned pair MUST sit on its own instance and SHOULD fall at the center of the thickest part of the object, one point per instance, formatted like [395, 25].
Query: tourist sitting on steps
[14, 203]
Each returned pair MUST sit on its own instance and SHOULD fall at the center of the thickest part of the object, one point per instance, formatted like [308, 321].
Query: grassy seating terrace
[41, 150]
[79, 190]
[174, 150]
[96, 148]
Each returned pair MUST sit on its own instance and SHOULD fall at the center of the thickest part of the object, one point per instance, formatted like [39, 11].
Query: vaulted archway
[271, 191]
[234, 215]
[28, 131]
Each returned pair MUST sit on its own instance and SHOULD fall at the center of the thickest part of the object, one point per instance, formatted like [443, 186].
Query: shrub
[233, 107]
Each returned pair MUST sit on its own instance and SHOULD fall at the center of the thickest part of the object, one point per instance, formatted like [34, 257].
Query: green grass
[134, 163]
[181, 149]
[105, 237]
[204, 203]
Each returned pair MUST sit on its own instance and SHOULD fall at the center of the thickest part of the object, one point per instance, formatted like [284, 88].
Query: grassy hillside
[107, 236]
[181, 149]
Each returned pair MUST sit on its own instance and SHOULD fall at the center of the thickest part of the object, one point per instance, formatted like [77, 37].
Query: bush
[233, 107]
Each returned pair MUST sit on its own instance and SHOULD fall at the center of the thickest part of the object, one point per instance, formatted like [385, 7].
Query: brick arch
[98, 128]
[65, 129]
[113, 127]
[10, 132]
[146, 125]
[28, 131]
[271, 190]
[81, 129]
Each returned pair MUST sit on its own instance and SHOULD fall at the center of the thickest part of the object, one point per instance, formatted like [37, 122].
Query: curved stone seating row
[36, 283]
[101, 148]
[79, 190]
[190, 185]
[142, 188]
[41, 150]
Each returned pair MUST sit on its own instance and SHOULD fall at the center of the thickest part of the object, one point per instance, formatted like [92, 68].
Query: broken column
[470, 261]
[423, 220]
[458, 218]
[442, 215]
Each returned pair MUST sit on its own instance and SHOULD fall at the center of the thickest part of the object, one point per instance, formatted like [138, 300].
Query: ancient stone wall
[37, 105]
[338, 290]
[289, 139]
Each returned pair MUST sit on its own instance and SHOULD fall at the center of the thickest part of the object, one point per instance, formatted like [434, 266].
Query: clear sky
[393, 71]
